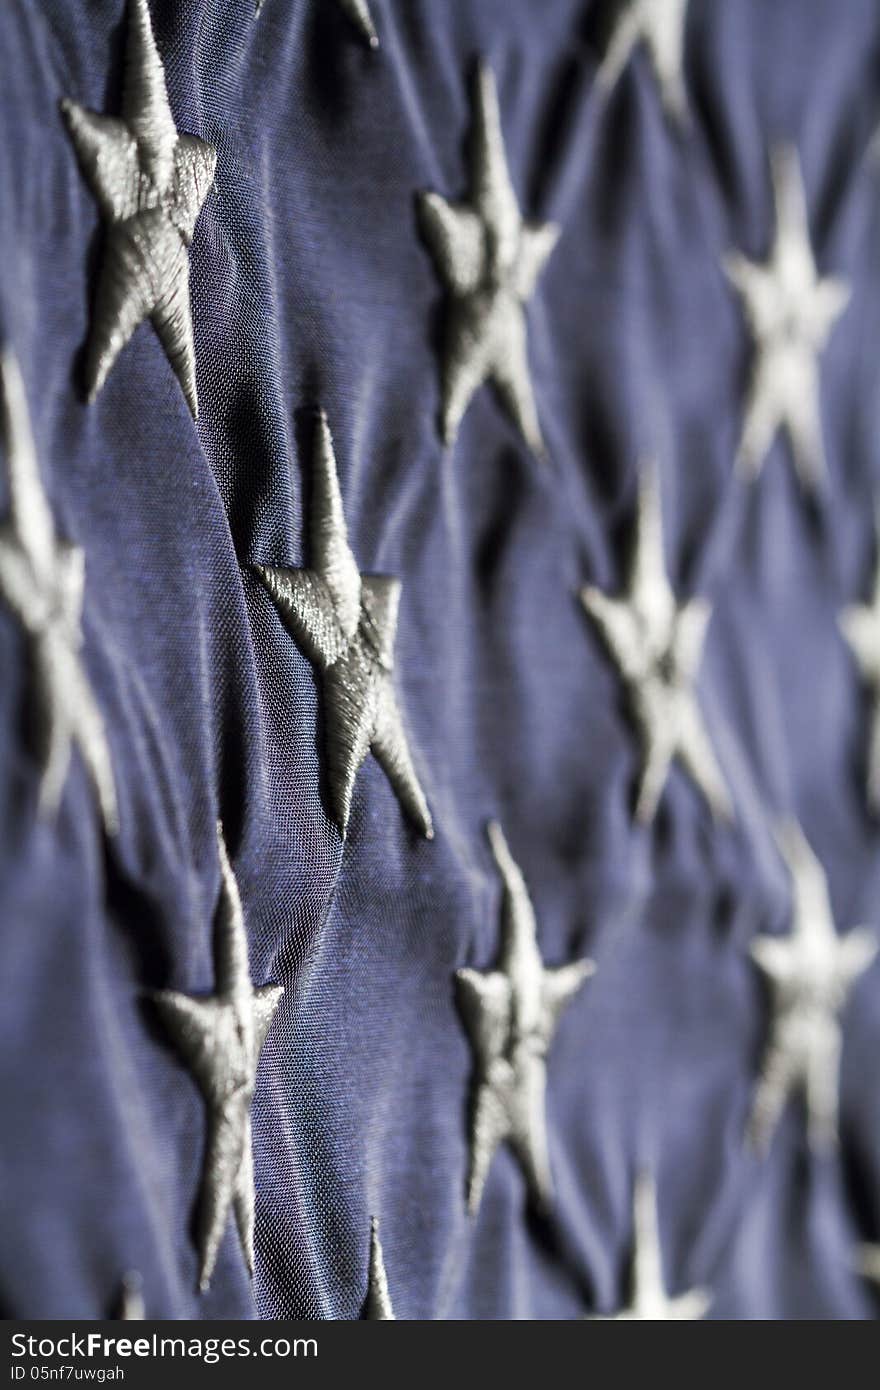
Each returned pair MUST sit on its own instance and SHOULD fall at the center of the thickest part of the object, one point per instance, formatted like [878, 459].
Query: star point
[657, 644]
[660, 26]
[490, 260]
[378, 1306]
[810, 973]
[150, 183]
[346, 624]
[42, 581]
[358, 11]
[511, 1014]
[650, 1301]
[220, 1039]
[791, 311]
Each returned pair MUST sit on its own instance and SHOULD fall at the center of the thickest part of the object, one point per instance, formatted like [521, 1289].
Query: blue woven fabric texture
[313, 287]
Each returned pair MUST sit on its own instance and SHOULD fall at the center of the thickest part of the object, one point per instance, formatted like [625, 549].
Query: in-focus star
[378, 1306]
[42, 580]
[346, 624]
[489, 259]
[657, 644]
[791, 311]
[150, 184]
[649, 1300]
[511, 1015]
[810, 973]
[660, 26]
[860, 624]
[220, 1038]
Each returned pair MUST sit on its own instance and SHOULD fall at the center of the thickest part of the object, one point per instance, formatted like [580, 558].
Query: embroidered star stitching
[346, 624]
[511, 1015]
[220, 1038]
[150, 184]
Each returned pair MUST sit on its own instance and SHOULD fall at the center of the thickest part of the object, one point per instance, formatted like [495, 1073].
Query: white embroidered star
[810, 973]
[860, 624]
[42, 580]
[660, 26]
[650, 1301]
[220, 1038]
[511, 1015]
[657, 644]
[378, 1306]
[791, 311]
[346, 623]
[490, 260]
[150, 184]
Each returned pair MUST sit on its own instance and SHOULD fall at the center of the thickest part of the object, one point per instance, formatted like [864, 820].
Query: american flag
[440, 652]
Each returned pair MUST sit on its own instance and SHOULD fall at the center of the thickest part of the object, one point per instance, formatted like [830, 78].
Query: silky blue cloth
[311, 287]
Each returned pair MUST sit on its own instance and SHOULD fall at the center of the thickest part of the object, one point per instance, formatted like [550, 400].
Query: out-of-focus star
[649, 1300]
[660, 26]
[490, 260]
[511, 1015]
[810, 973]
[860, 624]
[378, 1306]
[657, 644]
[150, 184]
[220, 1038]
[346, 623]
[42, 580]
[791, 311]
